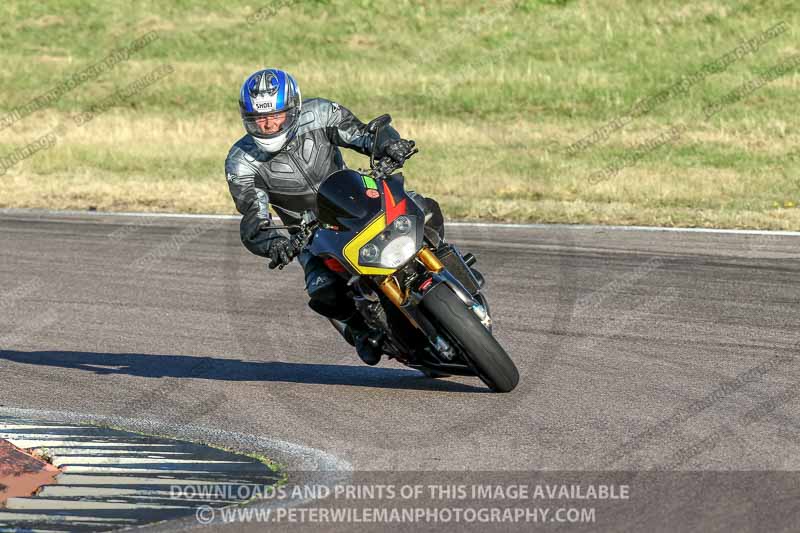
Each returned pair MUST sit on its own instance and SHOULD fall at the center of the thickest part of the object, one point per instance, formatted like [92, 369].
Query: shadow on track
[185, 366]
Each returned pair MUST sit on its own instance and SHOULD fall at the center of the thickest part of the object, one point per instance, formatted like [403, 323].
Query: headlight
[393, 245]
[402, 224]
[369, 253]
[398, 252]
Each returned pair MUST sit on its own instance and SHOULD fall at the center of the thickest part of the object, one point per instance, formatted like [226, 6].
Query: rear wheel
[489, 360]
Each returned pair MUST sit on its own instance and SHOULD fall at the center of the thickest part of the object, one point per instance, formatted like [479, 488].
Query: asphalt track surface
[637, 350]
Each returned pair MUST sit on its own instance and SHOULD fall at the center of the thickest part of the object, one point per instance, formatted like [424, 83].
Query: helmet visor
[270, 125]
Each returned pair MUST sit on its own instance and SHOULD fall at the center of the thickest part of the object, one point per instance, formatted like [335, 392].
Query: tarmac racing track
[638, 350]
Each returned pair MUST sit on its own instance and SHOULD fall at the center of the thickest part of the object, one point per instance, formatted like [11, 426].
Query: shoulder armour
[315, 114]
[241, 160]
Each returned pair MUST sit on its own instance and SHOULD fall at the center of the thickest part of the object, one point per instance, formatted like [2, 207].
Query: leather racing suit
[288, 181]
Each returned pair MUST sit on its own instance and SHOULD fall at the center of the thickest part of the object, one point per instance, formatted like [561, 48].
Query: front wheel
[489, 360]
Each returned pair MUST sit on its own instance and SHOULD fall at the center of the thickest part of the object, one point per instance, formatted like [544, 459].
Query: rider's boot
[363, 338]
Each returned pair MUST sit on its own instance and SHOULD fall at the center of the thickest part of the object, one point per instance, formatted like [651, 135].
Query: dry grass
[510, 175]
[491, 104]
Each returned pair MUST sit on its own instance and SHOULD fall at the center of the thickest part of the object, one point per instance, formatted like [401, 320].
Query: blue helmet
[270, 102]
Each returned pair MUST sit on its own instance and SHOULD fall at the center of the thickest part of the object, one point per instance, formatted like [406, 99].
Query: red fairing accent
[392, 210]
[333, 264]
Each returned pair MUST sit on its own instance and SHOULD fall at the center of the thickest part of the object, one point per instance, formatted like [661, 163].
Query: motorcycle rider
[289, 148]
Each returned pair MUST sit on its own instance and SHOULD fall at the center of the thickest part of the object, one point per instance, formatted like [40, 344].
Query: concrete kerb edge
[305, 462]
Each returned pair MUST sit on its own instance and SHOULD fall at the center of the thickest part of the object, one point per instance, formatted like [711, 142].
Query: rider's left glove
[398, 149]
[280, 252]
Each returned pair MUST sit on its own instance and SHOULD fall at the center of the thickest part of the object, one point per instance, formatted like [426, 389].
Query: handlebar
[380, 169]
[386, 165]
[303, 230]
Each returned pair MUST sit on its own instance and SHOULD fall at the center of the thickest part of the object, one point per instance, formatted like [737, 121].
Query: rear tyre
[489, 360]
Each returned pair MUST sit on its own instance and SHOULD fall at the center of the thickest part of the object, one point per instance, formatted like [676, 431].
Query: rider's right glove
[398, 149]
[280, 252]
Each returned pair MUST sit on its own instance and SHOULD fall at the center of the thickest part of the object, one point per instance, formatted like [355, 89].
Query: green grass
[493, 92]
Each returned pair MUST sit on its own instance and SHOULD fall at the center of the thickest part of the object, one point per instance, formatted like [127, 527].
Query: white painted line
[52, 523]
[33, 426]
[600, 227]
[40, 504]
[82, 469]
[589, 227]
[61, 491]
[78, 460]
[82, 491]
[38, 517]
[40, 530]
[99, 493]
[166, 479]
[68, 213]
[88, 452]
[39, 443]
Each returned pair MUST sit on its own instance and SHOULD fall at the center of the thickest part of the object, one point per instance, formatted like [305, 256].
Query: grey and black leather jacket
[288, 180]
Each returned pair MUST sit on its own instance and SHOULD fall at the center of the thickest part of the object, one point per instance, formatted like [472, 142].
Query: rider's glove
[280, 252]
[398, 149]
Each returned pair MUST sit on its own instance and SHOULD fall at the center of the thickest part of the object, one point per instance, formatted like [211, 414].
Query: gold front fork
[392, 290]
[430, 260]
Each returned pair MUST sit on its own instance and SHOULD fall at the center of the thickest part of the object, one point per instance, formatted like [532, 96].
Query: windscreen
[346, 197]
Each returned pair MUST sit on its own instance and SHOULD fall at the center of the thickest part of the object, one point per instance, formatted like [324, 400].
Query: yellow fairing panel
[352, 248]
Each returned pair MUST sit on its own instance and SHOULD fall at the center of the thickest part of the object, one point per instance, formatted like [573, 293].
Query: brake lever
[299, 242]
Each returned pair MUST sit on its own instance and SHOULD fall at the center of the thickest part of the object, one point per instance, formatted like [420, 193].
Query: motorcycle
[419, 295]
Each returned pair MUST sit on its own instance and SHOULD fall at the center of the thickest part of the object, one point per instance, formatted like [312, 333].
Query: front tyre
[489, 360]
